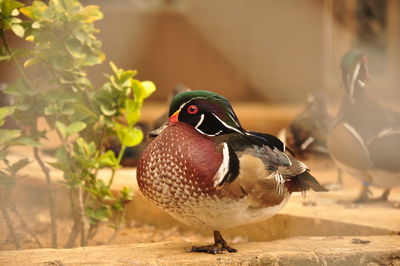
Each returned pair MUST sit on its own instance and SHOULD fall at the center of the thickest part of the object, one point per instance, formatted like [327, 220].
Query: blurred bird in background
[365, 138]
[308, 131]
[306, 135]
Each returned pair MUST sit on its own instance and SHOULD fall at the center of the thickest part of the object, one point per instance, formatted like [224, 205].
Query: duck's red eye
[192, 109]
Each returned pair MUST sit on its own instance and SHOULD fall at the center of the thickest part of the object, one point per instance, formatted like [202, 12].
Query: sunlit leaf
[30, 62]
[35, 11]
[128, 136]
[35, 25]
[18, 30]
[108, 159]
[75, 127]
[149, 87]
[6, 111]
[91, 13]
[107, 111]
[30, 38]
[61, 128]
[132, 111]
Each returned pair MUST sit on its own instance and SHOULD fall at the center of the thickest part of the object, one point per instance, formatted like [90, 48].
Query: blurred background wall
[249, 50]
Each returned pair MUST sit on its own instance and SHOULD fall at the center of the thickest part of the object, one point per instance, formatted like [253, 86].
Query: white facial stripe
[226, 125]
[224, 167]
[353, 81]
[200, 121]
[233, 119]
[201, 132]
[183, 104]
[306, 143]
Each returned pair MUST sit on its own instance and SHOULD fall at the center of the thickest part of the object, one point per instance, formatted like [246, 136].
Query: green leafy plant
[63, 41]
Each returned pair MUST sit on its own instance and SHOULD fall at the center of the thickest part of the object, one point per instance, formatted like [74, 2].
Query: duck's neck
[359, 95]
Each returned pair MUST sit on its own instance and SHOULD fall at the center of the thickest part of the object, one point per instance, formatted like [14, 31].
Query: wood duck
[308, 131]
[365, 138]
[208, 172]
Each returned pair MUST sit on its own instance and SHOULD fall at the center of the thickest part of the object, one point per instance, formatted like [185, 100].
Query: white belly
[218, 214]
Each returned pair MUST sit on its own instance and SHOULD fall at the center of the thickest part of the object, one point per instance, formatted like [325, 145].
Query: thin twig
[117, 226]
[24, 224]
[75, 228]
[18, 66]
[9, 223]
[53, 217]
[82, 218]
[119, 159]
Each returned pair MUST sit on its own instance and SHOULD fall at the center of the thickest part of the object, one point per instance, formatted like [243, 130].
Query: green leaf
[132, 112]
[91, 13]
[149, 87]
[18, 30]
[7, 135]
[25, 141]
[74, 47]
[6, 111]
[107, 110]
[101, 214]
[118, 206]
[75, 127]
[4, 57]
[19, 165]
[108, 159]
[128, 136]
[62, 128]
[126, 193]
[81, 108]
[35, 11]
[8, 6]
[114, 69]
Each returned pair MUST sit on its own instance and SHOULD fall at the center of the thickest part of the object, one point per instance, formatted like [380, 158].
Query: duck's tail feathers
[304, 182]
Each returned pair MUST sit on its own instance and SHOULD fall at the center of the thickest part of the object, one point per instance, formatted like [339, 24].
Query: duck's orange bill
[174, 117]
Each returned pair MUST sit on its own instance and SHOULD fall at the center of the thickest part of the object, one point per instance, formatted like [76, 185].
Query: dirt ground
[138, 231]
[132, 233]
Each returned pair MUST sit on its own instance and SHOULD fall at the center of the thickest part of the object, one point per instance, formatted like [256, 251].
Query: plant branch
[75, 228]
[24, 224]
[17, 64]
[119, 159]
[10, 226]
[53, 218]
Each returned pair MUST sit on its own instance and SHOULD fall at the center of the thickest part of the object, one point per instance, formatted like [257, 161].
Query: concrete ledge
[382, 250]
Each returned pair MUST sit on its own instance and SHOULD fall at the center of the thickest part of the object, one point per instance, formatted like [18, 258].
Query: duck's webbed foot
[220, 246]
[365, 194]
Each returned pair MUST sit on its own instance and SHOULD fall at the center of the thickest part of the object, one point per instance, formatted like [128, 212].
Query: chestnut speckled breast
[179, 167]
[207, 171]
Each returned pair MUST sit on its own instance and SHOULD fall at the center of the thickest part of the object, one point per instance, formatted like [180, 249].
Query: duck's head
[209, 113]
[354, 71]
